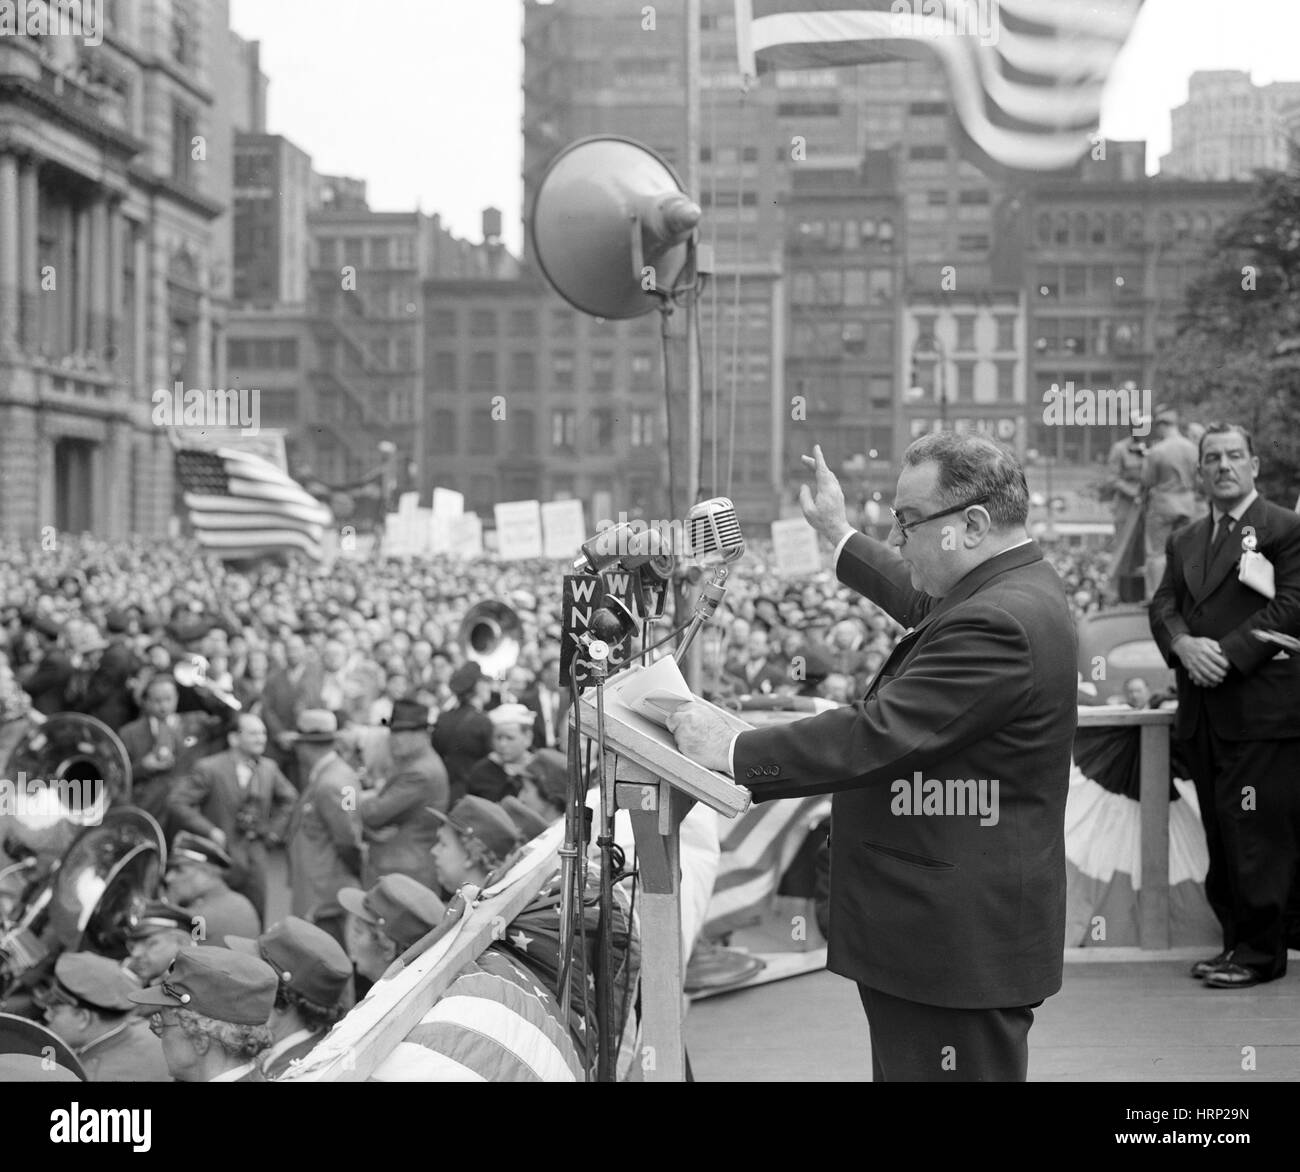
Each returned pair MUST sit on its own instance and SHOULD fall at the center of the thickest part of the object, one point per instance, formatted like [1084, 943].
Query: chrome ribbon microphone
[713, 532]
[713, 537]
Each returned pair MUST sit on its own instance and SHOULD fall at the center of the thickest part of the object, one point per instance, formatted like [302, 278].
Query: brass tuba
[490, 635]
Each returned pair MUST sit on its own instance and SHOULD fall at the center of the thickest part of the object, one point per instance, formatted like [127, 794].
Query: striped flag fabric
[241, 506]
[1025, 76]
[495, 1023]
[757, 849]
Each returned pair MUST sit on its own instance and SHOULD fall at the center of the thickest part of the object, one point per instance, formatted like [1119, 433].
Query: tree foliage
[1238, 314]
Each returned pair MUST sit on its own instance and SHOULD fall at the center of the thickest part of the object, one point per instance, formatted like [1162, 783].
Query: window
[643, 367]
[855, 287]
[377, 351]
[562, 370]
[564, 429]
[965, 382]
[965, 331]
[973, 242]
[927, 152]
[881, 284]
[1074, 280]
[380, 252]
[808, 110]
[880, 390]
[974, 197]
[404, 353]
[643, 429]
[482, 432]
[404, 249]
[523, 433]
[442, 323]
[523, 323]
[829, 291]
[483, 371]
[1006, 380]
[602, 371]
[1006, 333]
[443, 432]
[444, 371]
[803, 291]
[562, 323]
[482, 323]
[880, 339]
[523, 371]
[602, 430]
[937, 197]
[185, 127]
[237, 352]
[352, 251]
[853, 336]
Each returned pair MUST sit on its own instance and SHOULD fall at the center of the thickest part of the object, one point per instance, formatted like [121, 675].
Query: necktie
[1220, 534]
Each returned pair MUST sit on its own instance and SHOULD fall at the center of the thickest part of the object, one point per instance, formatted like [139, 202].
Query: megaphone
[611, 227]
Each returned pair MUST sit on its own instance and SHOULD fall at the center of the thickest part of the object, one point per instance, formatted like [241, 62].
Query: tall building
[112, 260]
[1109, 255]
[592, 68]
[1229, 127]
[272, 192]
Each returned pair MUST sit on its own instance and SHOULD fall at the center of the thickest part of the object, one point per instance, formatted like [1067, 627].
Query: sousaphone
[490, 635]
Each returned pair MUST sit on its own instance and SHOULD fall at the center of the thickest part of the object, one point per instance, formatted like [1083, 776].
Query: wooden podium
[657, 786]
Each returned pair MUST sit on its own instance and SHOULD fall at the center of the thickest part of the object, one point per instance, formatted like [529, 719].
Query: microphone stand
[711, 594]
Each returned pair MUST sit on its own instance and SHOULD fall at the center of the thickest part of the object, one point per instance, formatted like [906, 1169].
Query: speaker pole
[690, 178]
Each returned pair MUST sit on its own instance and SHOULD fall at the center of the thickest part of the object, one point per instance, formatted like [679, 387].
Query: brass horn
[489, 635]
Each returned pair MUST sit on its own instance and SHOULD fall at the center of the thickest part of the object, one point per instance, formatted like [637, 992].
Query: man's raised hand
[823, 507]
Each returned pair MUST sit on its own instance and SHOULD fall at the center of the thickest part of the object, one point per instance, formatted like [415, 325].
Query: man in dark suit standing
[241, 801]
[947, 884]
[1237, 703]
[288, 692]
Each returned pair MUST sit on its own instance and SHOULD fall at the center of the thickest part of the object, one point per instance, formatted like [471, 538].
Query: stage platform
[1118, 1018]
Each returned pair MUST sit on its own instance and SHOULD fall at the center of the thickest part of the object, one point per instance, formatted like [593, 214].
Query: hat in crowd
[408, 716]
[464, 678]
[316, 726]
[475, 817]
[158, 916]
[529, 823]
[307, 959]
[404, 909]
[511, 714]
[188, 628]
[549, 771]
[218, 983]
[84, 637]
[117, 620]
[816, 666]
[188, 847]
[50, 628]
[94, 980]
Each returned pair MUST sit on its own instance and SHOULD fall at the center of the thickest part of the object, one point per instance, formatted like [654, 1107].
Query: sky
[426, 105]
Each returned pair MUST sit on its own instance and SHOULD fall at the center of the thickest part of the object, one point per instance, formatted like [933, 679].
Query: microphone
[634, 548]
[713, 531]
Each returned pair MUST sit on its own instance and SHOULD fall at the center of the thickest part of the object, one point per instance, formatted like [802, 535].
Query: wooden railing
[1153, 896]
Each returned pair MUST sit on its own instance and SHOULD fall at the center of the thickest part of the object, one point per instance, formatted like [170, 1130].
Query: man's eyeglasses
[905, 527]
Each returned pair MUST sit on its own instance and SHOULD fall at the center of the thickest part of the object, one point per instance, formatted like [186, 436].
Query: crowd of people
[336, 715]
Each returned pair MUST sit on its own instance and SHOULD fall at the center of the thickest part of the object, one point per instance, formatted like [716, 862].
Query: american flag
[242, 506]
[1025, 76]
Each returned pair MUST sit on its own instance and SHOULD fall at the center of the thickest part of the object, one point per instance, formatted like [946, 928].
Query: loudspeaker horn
[611, 227]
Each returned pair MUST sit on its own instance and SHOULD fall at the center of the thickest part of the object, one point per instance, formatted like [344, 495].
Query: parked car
[1118, 641]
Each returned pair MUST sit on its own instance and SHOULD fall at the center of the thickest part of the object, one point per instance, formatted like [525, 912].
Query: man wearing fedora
[325, 830]
[313, 971]
[463, 735]
[210, 1010]
[399, 830]
[240, 799]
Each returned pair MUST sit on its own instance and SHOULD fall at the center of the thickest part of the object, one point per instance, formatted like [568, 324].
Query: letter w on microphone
[951, 797]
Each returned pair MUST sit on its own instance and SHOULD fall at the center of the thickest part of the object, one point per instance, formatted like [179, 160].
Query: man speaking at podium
[950, 774]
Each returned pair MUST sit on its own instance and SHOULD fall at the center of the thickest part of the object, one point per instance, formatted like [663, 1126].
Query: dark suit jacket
[283, 700]
[209, 798]
[1258, 699]
[462, 738]
[940, 908]
[48, 684]
[189, 743]
[106, 696]
[403, 829]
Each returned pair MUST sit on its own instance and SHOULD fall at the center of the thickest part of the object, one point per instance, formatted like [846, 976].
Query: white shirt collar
[234, 1074]
[1239, 510]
